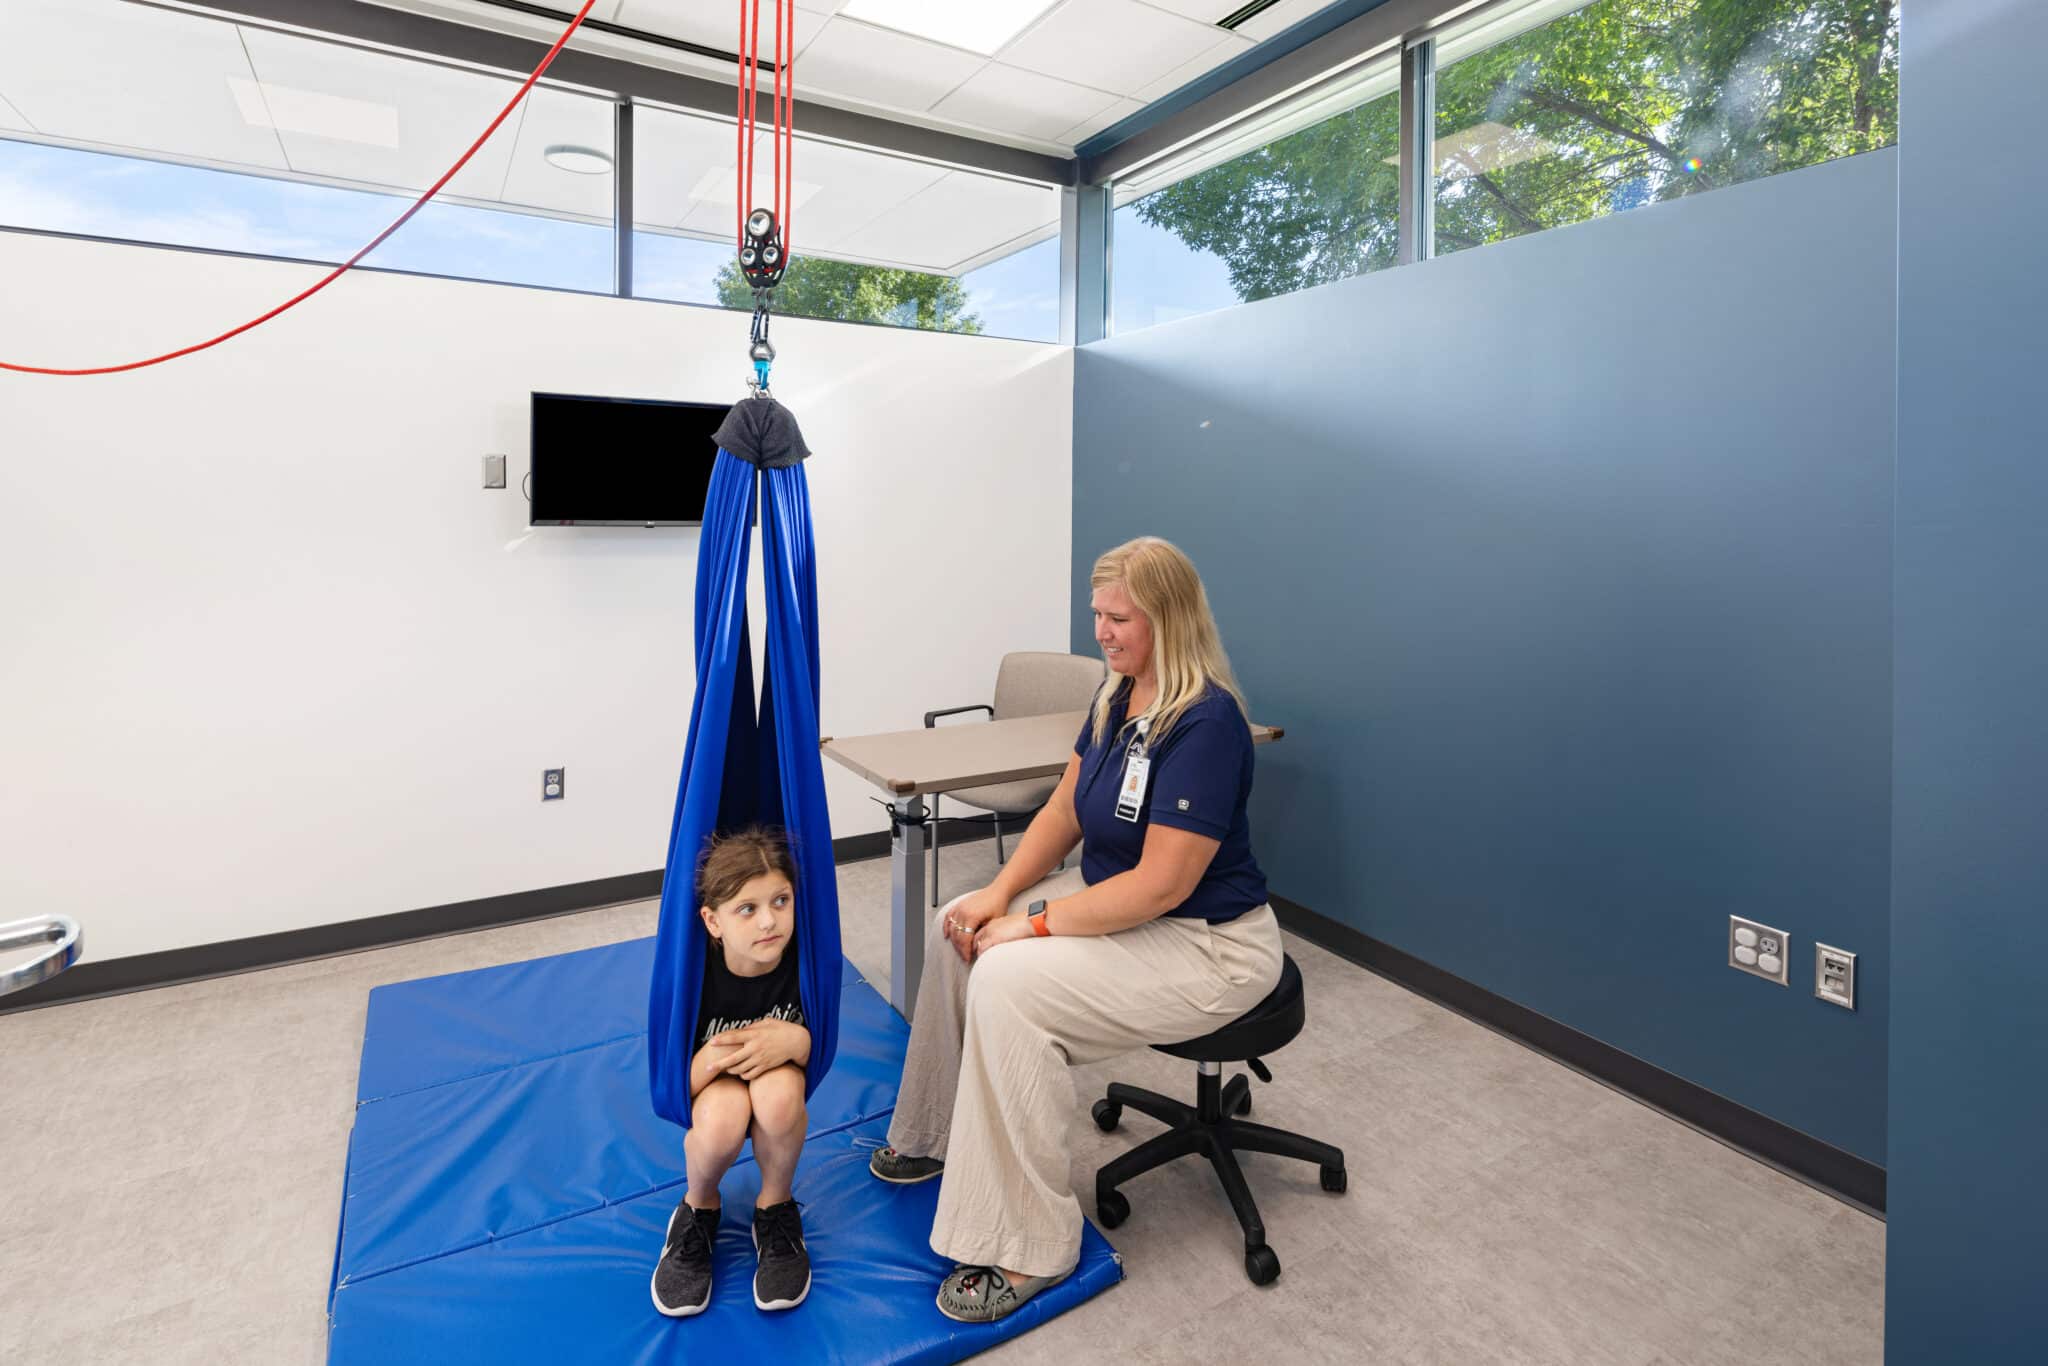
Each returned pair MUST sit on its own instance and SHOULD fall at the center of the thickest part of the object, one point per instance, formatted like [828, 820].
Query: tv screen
[621, 461]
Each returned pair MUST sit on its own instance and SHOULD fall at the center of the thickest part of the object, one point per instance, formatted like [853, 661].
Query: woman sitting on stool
[1162, 934]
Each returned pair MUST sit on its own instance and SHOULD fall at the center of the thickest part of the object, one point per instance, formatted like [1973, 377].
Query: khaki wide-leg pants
[985, 1083]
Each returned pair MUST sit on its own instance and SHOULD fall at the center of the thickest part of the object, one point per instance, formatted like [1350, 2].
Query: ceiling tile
[1202, 11]
[1230, 46]
[875, 65]
[956, 219]
[1008, 100]
[714, 23]
[671, 153]
[131, 76]
[1116, 45]
[1286, 14]
[556, 117]
[1088, 128]
[440, 110]
[854, 188]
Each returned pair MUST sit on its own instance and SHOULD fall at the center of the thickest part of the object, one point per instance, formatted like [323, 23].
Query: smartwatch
[1036, 912]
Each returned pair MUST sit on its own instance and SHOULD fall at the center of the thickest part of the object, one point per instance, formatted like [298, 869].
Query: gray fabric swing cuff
[763, 433]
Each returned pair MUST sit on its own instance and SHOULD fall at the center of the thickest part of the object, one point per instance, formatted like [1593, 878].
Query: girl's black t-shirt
[731, 1001]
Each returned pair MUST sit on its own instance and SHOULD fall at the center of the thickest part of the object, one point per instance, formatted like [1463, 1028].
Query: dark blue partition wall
[1566, 565]
[1965, 1265]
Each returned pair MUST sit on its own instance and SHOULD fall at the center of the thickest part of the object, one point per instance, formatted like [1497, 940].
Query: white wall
[273, 658]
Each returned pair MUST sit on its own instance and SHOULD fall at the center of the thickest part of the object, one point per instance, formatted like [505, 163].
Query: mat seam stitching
[511, 1066]
[347, 1281]
[507, 1067]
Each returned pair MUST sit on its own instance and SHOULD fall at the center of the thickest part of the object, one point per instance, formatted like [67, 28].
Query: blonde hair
[1187, 651]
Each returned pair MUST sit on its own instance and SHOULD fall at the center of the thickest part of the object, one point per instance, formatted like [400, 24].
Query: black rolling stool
[1211, 1127]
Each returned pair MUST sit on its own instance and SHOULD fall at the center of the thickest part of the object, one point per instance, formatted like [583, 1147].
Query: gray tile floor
[173, 1165]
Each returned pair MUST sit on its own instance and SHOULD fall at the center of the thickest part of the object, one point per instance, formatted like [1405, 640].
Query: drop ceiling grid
[865, 62]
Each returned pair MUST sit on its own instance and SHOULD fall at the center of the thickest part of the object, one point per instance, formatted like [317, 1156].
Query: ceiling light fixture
[570, 156]
[982, 26]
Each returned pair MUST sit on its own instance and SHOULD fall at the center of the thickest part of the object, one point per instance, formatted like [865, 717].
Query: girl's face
[754, 927]
[1123, 632]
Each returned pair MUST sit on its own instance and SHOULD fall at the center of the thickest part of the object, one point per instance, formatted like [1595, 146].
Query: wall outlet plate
[494, 471]
[1834, 976]
[551, 784]
[1757, 949]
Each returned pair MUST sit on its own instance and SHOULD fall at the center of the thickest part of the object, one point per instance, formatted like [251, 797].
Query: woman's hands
[1002, 930]
[760, 1048]
[969, 915]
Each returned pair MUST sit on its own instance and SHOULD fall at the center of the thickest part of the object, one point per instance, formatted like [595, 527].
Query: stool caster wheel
[1111, 1208]
[1261, 1265]
[1107, 1115]
[1244, 1107]
[1334, 1180]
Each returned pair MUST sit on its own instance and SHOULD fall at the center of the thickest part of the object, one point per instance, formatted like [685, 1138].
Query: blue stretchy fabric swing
[738, 769]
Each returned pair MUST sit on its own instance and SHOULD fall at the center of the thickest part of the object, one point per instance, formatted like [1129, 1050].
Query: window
[875, 238]
[158, 126]
[1316, 198]
[1545, 118]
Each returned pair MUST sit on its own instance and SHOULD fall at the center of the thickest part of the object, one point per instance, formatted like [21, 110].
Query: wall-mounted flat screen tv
[621, 461]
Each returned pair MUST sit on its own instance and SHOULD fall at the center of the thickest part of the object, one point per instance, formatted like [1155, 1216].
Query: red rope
[783, 99]
[341, 269]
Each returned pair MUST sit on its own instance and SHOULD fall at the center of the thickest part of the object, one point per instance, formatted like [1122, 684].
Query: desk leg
[907, 910]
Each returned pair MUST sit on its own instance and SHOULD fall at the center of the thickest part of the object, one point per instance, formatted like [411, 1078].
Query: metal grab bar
[60, 932]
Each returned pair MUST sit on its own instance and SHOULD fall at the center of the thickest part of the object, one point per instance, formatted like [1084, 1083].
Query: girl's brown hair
[731, 861]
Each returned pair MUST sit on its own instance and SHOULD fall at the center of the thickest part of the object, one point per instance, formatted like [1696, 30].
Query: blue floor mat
[508, 1185]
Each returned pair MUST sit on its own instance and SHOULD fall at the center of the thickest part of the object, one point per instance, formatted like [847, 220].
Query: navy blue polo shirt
[1201, 779]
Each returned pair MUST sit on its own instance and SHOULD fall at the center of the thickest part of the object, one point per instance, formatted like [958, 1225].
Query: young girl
[746, 1077]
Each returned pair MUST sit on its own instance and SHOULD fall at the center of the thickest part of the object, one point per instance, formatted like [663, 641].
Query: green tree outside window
[815, 287]
[1622, 103]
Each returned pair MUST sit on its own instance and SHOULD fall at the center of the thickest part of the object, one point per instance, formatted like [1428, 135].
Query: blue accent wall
[1966, 1263]
[1566, 563]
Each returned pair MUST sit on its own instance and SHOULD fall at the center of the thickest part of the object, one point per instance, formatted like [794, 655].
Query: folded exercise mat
[508, 1186]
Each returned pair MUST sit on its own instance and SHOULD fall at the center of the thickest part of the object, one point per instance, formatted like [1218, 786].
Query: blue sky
[62, 189]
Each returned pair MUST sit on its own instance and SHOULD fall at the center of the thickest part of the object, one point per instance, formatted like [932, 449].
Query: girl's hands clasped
[761, 1047]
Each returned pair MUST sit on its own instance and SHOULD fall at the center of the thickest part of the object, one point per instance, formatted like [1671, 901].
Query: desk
[907, 764]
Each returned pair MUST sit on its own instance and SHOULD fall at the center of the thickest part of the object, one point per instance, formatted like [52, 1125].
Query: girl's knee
[721, 1112]
[778, 1100]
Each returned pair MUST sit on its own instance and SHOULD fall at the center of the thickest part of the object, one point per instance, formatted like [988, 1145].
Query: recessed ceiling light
[569, 156]
[978, 25]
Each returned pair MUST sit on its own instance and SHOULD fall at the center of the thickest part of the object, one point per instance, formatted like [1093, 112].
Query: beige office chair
[1028, 683]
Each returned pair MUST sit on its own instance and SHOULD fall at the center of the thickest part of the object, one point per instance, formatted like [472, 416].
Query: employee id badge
[1130, 798]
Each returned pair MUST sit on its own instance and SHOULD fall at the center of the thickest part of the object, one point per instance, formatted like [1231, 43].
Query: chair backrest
[1038, 682]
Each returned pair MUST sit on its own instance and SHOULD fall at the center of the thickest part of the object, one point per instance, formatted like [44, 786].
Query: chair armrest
[931, 718]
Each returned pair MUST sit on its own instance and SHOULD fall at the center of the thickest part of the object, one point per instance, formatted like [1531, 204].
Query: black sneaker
[682, 1278]
[784, 1276]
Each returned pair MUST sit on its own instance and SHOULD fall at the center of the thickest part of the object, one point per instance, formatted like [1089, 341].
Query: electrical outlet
[494, 471]
[551, 784]
[1834, 976]
[1757, 949]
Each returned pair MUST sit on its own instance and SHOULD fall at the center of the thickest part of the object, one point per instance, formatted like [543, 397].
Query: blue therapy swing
[741, 767]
